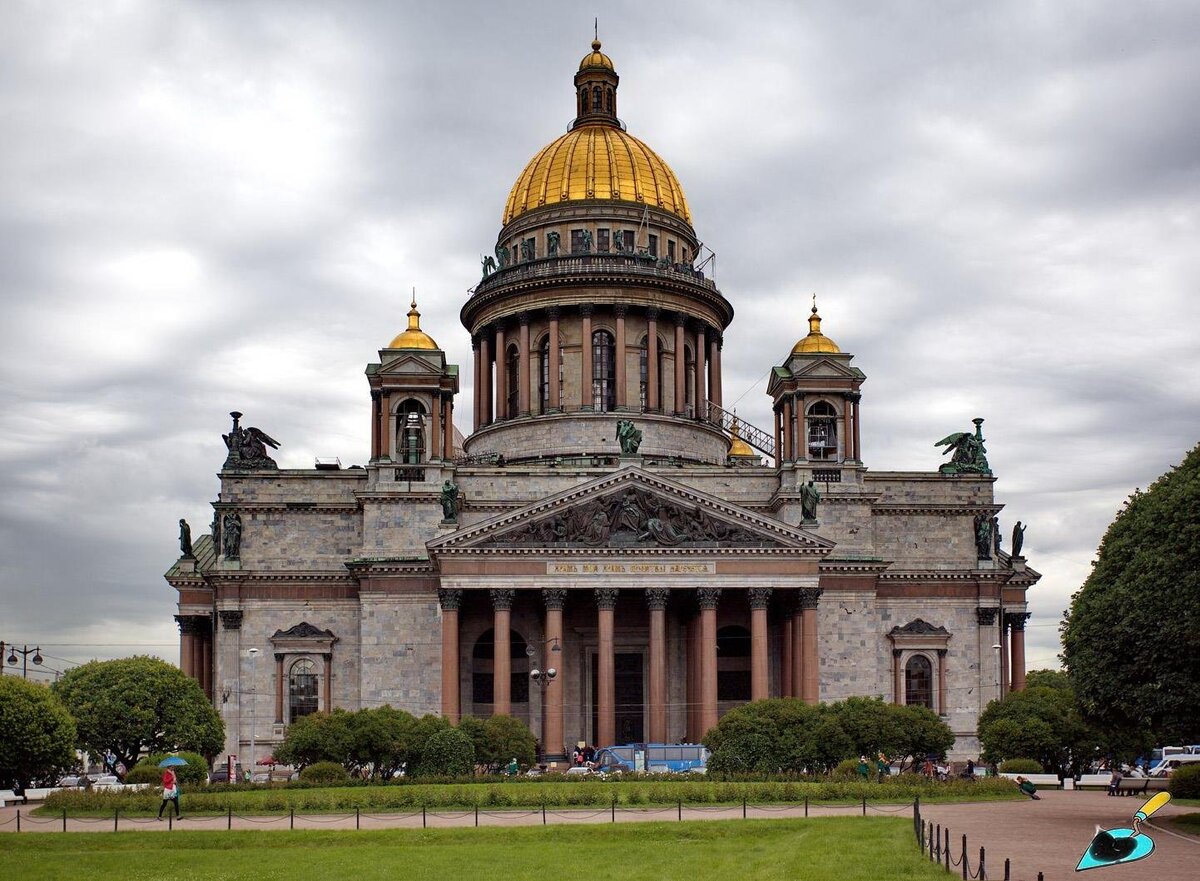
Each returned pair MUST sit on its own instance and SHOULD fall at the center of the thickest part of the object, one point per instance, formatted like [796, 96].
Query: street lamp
[25, 652]
[996, 648]
[542, 679]
[253, 656]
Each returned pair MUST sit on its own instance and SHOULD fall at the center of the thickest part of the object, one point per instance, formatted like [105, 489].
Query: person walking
[170, 787]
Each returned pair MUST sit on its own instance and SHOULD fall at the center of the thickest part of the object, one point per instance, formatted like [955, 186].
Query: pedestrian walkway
[1050, 835]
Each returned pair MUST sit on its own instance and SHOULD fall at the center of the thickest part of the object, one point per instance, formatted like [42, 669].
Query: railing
[569, 265]
[751, 434]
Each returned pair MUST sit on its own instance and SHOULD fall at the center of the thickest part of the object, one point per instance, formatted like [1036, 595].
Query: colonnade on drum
[797, 674]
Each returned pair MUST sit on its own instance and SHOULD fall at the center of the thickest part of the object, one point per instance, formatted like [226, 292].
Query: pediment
[632, 510]
[825, 367]
[410, 364]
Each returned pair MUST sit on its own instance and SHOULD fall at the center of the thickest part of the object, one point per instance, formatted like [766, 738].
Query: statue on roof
[449, 500]
[502, 256]
[969, 453]
[629, 437]
[983, 537]
[552, 244]
[185, 540]
[810, 497]
[489, 265]
[1018, 539]
[248, 448]
[231, 535]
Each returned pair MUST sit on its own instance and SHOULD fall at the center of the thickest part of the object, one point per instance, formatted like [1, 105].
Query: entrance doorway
[630, 698]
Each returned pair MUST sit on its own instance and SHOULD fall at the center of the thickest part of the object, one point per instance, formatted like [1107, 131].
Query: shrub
[1020, 766]
[324, 772]
[847, 769]
[195, 772]
[1185, 782]
[447, 751]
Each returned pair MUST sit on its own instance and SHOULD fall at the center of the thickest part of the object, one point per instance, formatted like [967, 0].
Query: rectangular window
[627, 236]
[576, 241]
[653, 246]
[671, 250]
[602, 243]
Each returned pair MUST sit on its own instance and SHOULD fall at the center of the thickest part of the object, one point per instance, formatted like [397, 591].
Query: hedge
[1020, 766]
[1185, 782]
[586, 793]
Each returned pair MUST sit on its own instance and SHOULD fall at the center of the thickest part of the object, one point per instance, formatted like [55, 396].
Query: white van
[1167, 765]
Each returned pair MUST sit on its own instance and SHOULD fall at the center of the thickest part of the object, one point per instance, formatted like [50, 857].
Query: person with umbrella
[170, 784]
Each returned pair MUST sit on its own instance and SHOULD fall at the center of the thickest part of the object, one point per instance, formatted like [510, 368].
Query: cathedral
[609, 555]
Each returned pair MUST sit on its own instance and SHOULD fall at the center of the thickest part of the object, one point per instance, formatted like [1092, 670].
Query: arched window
[596, 98]
[822, 431]
[733, 663]
[918, 682]
[302, 689]
[608, 100]
[512, 364]
[410, 432]
[644, 372]
[604, 365]
[482, 660]
[583, 100]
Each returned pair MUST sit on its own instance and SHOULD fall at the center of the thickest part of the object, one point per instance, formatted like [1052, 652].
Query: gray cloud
[216, 206]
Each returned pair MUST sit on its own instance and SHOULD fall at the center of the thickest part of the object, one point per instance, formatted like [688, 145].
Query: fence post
[170, 821]
[1007, 870]
[116, 815]
[64, 819]
[476, 815]
[947, 850]
[1040, 877]
[937, 837]
[292, 818]
[543, 813]
[614, 808]
[229, 819]
[982, 864]
[681, 810]
[357, 819]
[864, 805]
[18, 819]
[964, 857]
[423, 821]
[806, 807]
[743, 808]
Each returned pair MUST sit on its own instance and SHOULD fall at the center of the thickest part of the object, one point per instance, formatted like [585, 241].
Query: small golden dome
[737, 446]
[815, 342]
[596, 58]
[596, 161]
[414, 337]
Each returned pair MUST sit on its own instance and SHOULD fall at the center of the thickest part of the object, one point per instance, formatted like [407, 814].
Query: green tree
[919, 732]
[447, 752]
[141, 704]
[1131, 639]
[1042, 723]
[318, 737]
[778, 735]
[38, 734]
[476, 729]
[382, 740]
[508, 738]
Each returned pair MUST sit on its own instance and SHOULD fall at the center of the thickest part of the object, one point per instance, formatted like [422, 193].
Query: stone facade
[387, 584]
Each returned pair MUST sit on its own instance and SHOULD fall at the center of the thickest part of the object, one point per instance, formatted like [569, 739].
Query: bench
[1037, 779]
[1090, 781]
[1141, 785]
[6, 796]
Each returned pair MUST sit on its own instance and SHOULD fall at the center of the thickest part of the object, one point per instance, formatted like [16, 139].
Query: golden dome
[596, 58]
[737, 446]
[414, 337]
[596, 162]
[816, 341]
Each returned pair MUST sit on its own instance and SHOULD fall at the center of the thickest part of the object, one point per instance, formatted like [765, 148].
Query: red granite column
[854, 400]
[555, 402]
[477, 396]
[785, 654]
[708, 597]
[435, 429]
[552, 710]
[619, 356]
[501, 375]
[606, 697]
[797, 648]
[376, 421]
[1016, 620]
[691, 646]
[657, 599]
[652, 402]
[327, 683]
[714, 368]
[206, 645]
[502, 600]
[385, 433]
[585, 354]
[760, 598]
[485, 378]
[278, 689]
[523, 365]
[788, 454]
[680, 367]
[197, 652]
[450, 600]
[799, 432]
[809, 598]
[448, 427]
[1004, 665]
[699, 395]
[185, 644]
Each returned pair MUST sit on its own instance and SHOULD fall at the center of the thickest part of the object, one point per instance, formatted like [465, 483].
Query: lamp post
[542, 679]
[25, 652]
[999, 688]
[252, 654]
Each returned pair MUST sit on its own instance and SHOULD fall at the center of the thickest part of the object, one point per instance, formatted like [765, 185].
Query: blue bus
[653, 758]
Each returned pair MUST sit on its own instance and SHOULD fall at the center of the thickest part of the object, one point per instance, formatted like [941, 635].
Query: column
[206, 644]
[708, 597]
[652, 402]
[278, 689]
[809, 597]
[186, 640]
[523, 364]
[375, 422]
[606, 697]
[585, 355]
[787, 429]
[555, 402]
[198, 651]
[502, 600]
[897, 678]
[327, 683]
[1004, 667]
[619, 374]
[450, 600]
[501, 375]
[476, 397]
[552, 708]
[942, 709]
[785, 654]
[989, 658]
[797, 648]
[485, 378]
[1016, 620]
[799, 435]
[760, 687]
[448, 427]
[657, 599]
[680, 366]
[385, 433]
[778, 437]
[699, 395]
[691, 645]
[855, 397]
[435, 429]
[714, 368]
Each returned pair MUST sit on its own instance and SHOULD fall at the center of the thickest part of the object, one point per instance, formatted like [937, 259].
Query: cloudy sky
[213, 206]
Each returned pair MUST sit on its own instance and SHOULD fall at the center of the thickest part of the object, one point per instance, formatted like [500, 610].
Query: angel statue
[629, 437]
[969, 453]
[248, 448]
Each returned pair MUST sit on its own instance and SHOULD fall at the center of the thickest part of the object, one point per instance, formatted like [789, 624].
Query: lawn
[498, 796]
[842, 848]
[1187, 823]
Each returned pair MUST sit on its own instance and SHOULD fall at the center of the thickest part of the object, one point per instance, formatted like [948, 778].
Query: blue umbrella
[171, 761]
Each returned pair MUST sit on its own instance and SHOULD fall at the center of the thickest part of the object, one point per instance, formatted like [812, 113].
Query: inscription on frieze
[607, 568]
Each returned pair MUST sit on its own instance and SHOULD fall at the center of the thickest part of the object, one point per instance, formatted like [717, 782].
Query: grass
[632, 793]
[1189, 823]
[843, 848]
